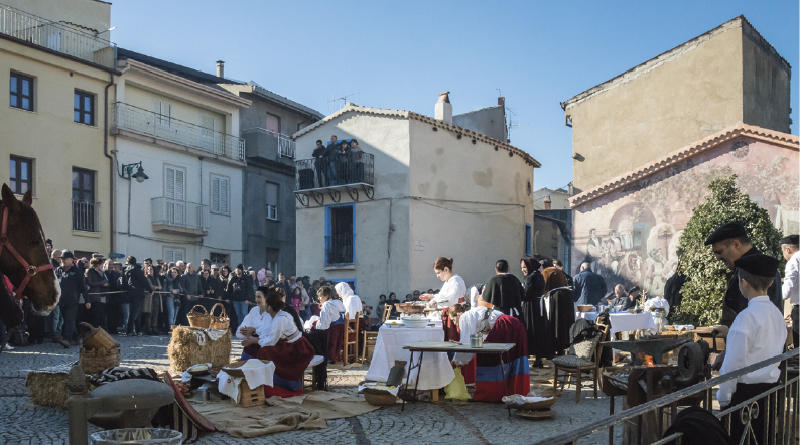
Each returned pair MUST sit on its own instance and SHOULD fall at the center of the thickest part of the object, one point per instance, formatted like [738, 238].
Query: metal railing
[340, 250]
[177, 213]
[285, 143]
[353, 168]
[148, 123]
[85, 216]
[57, 37]
[781, 416]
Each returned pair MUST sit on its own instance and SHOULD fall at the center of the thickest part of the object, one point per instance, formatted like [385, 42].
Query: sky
[401, 55]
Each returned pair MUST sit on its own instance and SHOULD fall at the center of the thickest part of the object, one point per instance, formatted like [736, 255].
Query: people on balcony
[320, 155]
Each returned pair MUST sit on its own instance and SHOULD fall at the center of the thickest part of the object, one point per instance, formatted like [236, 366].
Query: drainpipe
[389, 250]
[113, 169]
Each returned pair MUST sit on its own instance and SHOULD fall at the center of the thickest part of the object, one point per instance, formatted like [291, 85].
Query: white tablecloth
[623, 321]
[437, 372]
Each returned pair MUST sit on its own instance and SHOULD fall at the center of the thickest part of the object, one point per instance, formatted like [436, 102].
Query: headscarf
[344, 290]
[531, 264]
[553, 279]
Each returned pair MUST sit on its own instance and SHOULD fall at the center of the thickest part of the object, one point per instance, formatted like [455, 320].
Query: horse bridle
[29, 270]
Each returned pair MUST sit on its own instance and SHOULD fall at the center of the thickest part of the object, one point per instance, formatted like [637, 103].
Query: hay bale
[184, 351]
[48, 386]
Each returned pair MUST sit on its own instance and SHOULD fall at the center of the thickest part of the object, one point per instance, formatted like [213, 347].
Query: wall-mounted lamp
[127, 172]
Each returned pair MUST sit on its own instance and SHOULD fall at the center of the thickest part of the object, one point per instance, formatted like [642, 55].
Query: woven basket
[197, 319]
[376, 399]
[96, 338]
[219, 321]
[94, 361]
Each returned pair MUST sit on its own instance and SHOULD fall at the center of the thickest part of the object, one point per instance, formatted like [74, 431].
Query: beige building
[726, 75]
[58, 70]
[422, 189]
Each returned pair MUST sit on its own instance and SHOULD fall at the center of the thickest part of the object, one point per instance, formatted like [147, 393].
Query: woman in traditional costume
[453, 291]
[533, 315]
[331, 319]
[559, 307]
[258, 319]
[283, 345]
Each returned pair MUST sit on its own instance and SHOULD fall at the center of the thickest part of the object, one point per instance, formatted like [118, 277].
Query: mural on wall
[630, 235]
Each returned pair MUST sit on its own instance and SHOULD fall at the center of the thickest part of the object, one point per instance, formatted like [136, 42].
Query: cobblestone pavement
[472, 423]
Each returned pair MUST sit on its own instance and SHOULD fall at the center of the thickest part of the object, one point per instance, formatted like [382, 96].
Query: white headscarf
[344, 290]
[473, 295]
[351, 301]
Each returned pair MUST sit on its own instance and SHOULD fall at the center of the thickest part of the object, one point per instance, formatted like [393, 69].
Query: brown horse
[23, 258]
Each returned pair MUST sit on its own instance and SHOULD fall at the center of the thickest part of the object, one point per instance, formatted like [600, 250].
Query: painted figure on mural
[596, 250]
[615, 251]
[655, 272]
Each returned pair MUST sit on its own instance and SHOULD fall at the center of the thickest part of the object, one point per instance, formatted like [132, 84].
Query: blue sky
[401, 55]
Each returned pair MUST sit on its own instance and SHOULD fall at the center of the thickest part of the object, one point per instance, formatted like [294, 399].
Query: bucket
[144, 436]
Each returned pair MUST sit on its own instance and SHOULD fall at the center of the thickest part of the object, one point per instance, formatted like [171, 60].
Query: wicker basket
[219, 321]
[96, 338]
[94, 361]
[197, 319]
[410, 308]
[379, 398]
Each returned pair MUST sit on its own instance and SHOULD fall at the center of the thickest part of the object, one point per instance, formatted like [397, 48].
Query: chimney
[501, 100]
[547, 202]
[444, 111]
[220, 68]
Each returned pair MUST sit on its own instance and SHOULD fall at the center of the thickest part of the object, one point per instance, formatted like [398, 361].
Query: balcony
[351, 173]
[268, 145]
[57, 37]
[165, 130]
[340, 250]
[179, 217]
[85, 216]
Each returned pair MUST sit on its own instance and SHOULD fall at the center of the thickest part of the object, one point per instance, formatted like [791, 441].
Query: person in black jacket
[320, 155]
[73, 287]
[237, 292]
[98, 285]
[137, 285]
[534, 319]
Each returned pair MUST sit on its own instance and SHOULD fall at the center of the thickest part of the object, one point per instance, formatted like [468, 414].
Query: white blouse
[452, 290]
[282, 327]
[330, 312]
[468, 324]
[255, 319]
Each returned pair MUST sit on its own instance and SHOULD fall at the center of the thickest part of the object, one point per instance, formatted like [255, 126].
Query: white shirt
[282, 327]
[453, 290]
[352, 303]
[656, 302]
[255, 319]
[330, 312]
[791, 287]
[468, 324]
[757, 333]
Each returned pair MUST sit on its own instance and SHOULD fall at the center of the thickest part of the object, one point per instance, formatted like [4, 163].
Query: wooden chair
[387, 312]
[350, 346]
[571, 366]
[370, 339]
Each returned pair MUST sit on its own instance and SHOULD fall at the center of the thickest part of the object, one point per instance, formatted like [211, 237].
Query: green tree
[706, 276]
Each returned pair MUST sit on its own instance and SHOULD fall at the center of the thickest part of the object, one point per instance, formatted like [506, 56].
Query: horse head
[23, 258]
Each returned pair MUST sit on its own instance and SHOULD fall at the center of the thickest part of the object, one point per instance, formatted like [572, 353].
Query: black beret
[727, 231]
[758, 264]
[793, 240]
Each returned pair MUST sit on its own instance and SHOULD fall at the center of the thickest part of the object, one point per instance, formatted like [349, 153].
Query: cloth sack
[457, 389]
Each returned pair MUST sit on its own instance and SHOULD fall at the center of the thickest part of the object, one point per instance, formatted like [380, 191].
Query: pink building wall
[632, 233]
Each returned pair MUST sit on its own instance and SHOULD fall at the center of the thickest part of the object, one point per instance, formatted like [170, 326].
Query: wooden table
[446, 346]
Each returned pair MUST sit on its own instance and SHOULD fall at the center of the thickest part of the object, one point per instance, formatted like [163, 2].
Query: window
[219, 258]
[527, 239]
[272, 201]
[273, 124]
[163, 113]
[340, 235]
[207, 137]
[21, 174]
[84, 108]
[219, 194]
[273, 258]
[174, 187]
[21, 92]
[84, 208]
[173, 254]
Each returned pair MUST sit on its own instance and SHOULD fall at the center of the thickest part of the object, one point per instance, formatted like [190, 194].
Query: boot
[61, 341]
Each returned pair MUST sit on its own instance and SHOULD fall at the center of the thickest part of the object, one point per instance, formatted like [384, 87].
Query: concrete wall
[87, 13]
[256, 115]
[655, 111]
[559, 199]
[489, 121]
[547, 240]
[50, 137]
[767, 83]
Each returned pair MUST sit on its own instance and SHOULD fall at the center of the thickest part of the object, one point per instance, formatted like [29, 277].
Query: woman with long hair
[331, 318]
[150, 319]
[173, 289]
[257, 320]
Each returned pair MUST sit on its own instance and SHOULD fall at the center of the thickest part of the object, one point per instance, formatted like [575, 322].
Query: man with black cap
[730, 243]
[73, 286]
[790, 247]
[757, 334]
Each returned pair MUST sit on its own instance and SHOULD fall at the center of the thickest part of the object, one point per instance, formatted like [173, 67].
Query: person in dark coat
[560, 266]
[589, 287]
[190, 283]
[73, 289]
[561, 313]
[672, 288]
[207, 286]
[137, 285]
[98, 286]
[116, 297]
[237, 292]
[504, 290]
[532, 318]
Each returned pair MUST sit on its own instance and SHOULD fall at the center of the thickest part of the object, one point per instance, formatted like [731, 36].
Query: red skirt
[291, 361]
[335, 341]
[450, 327]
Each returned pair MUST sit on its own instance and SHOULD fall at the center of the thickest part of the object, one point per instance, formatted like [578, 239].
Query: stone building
[423, 188]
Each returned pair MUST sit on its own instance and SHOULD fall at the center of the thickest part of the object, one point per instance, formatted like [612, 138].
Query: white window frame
[215, 203]
[172, 250]
[227, 257]
[272, 209]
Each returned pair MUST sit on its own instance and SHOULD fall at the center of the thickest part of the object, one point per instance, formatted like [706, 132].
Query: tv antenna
[335, 99]
[511, 125]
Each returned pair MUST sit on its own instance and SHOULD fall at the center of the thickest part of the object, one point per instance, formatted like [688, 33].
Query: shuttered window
[174, 186]
[272, 201]
[163, 113]
[220, 190]
[273, 124]
[207, 132]
[173, 254]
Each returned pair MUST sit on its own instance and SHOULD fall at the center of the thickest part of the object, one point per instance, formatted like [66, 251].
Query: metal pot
[476, 340]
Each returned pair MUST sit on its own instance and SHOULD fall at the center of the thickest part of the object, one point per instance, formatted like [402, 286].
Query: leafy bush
[706, 276]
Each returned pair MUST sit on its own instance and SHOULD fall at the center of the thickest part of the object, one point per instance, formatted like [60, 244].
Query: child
[757, 334]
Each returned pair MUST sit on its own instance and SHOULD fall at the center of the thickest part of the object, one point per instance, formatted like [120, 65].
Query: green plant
[706, 276]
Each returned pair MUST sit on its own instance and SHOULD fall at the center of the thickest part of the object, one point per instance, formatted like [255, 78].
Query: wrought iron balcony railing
[57, 37]
[85, 216]
[340, 250]
[351, 169]
[148, 123]
[176, 213]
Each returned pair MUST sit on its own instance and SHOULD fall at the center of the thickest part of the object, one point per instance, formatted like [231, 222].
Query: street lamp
[126, 172]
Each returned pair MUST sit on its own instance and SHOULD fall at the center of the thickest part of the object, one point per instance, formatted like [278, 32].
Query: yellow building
[57, 73]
